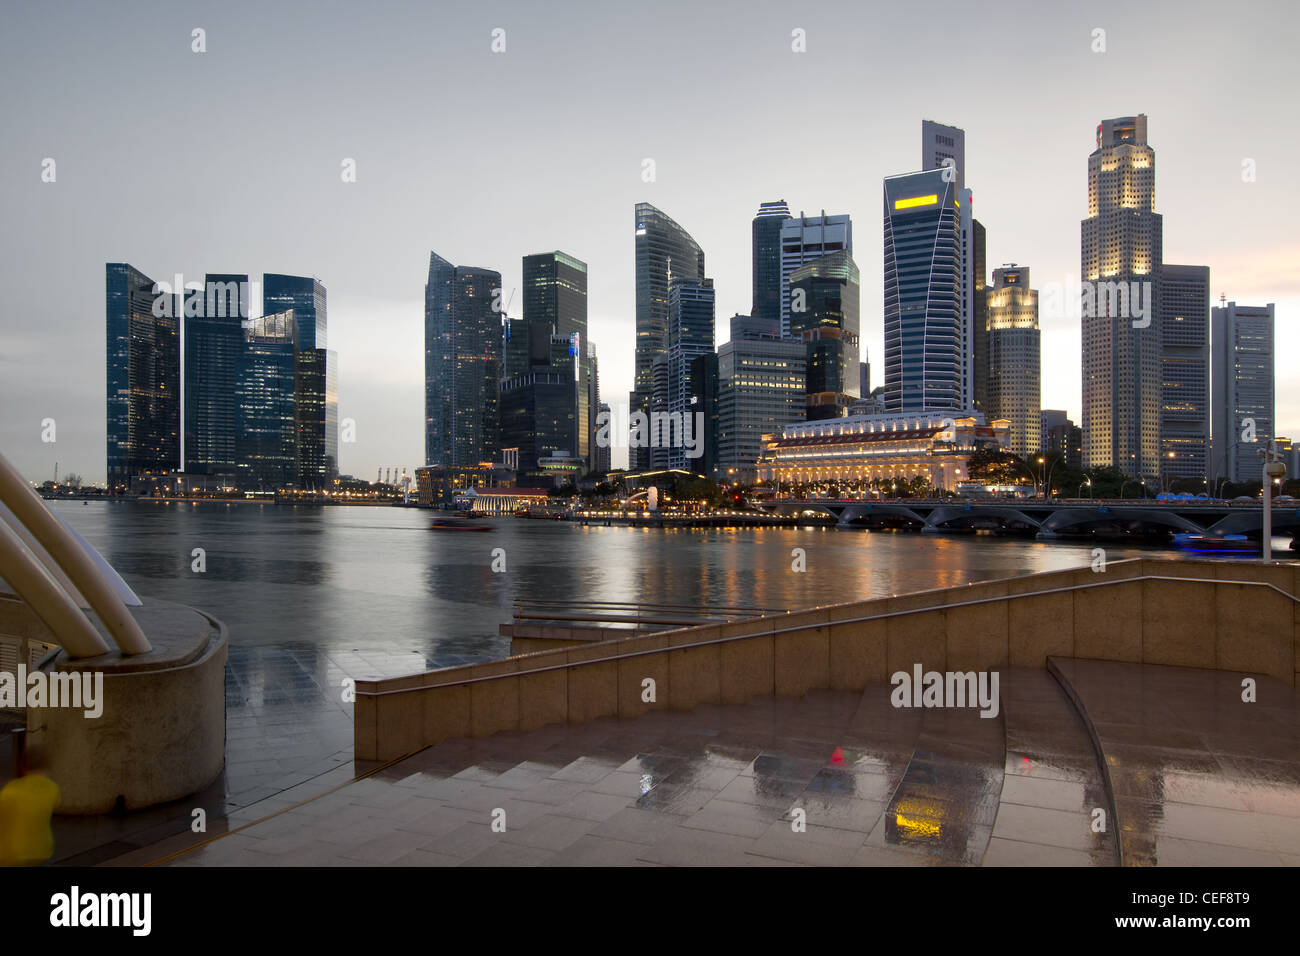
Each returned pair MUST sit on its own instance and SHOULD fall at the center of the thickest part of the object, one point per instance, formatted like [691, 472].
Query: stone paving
[833, 778]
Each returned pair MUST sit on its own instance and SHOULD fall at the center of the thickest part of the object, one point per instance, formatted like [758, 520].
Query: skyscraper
[767, 259]
[555, 296]
[265, 403]
[805, 239]
[1121, 253]
[213, 343]
[824, 315]
[462, 364]
[664, 250]
[538, 416]
[762, 383]
[1014, 391]
[944, 148]
[923, 293]
[691, 311]
[1184, 300]
[1241, 366]
[305, 296]
[143, 376]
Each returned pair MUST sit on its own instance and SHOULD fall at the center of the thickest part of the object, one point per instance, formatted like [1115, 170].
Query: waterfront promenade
[1122, 738]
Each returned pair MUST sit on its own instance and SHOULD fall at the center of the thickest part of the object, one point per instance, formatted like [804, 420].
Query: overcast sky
[230, 160]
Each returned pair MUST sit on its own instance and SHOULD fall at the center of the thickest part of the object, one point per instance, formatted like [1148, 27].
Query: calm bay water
[376, 593]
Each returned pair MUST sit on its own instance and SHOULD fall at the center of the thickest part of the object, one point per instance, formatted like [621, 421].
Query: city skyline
[289, 210]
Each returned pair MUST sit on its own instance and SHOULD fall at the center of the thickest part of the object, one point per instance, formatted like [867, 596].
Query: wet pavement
[833, 778]
[1201, 776]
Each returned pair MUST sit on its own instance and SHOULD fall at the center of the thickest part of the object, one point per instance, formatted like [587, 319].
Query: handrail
[802, 627]
[60, 544]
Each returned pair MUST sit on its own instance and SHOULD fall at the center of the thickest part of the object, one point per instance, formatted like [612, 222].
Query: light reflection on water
[378, 582]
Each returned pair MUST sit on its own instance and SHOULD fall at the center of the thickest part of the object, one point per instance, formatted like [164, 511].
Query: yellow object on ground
[26, 805]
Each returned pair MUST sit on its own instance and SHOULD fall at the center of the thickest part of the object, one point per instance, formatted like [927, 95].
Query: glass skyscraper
[305, 296]
[266, 401]
[923, 293]
[463, 343]
[824, 314]
[213, 342]
[1184, 372]
[143, 376]
[555, 295]
[804, 239]
[691, 310]
[664, 250]
[767, 259]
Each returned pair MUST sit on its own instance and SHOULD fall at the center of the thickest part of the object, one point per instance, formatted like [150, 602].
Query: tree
[995, 466]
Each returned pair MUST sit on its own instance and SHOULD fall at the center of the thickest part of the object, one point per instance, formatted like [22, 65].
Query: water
[375, 593]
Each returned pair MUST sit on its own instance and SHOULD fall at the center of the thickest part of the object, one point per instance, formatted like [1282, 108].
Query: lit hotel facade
[932, 445]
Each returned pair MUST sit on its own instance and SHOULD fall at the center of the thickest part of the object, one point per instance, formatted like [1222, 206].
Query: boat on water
[1210, 544]
[459, 524]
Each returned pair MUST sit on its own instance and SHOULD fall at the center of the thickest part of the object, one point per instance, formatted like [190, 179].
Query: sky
[230, 160]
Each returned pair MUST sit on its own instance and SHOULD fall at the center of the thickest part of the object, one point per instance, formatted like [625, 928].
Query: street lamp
[1086, 481]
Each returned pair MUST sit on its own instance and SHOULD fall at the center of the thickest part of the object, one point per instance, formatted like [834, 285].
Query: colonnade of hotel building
[933, 445]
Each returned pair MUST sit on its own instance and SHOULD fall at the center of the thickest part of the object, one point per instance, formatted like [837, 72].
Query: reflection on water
[375, 583]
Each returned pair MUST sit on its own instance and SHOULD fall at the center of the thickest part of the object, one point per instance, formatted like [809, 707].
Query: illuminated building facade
[824, 311]
[143, 377]
[1121, 255]
[923, 293]
[1014, 351]
[931, 445]
[1184, 371]
[664, 250]
[805, 239]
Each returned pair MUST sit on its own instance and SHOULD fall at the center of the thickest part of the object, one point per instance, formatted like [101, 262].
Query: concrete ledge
[1171, 612]
[162, 733]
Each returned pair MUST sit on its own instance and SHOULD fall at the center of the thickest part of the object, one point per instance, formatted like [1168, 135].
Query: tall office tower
[923, 293]
[143, 376]
[704, 400]
[762, 382]
[1241, 402]
[538, 414]
[805, 239]
[305, 296]
[976, 318]
[864, 377]
[691, 304]
[316, 409]
[593, 405]
[463, 344]
[213, 343]
[767, 258]
[267, 442]
[514, 347]
[555, 292]
[602, 451]
[1184, 372]
[944, 146]
[664, 250]
[825, 299]
[1121, 256]
[1014, 391]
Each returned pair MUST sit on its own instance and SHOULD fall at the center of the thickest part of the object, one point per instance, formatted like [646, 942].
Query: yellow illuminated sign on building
[915, 201]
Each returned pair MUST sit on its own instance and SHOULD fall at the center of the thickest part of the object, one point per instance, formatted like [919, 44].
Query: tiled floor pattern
[829, 779]
[1201, 776]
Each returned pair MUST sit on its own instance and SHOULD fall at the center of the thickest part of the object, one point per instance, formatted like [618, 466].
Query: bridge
[1057, 518]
